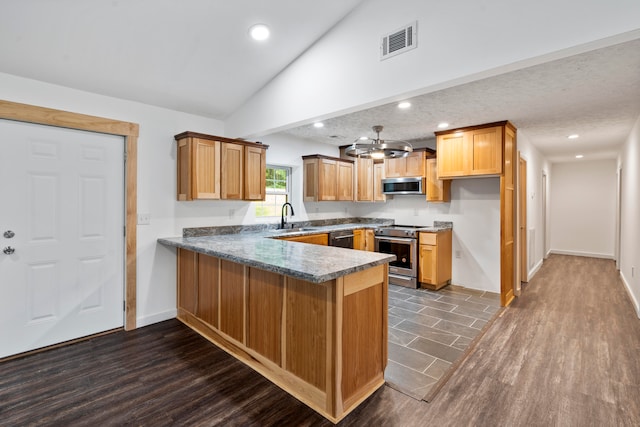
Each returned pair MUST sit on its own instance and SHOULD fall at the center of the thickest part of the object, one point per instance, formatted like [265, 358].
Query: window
[278, 191]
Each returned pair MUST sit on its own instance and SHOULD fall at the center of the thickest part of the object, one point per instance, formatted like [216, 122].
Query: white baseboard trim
[585, 254]
[156, 318]
[633, 299]
[535, 269]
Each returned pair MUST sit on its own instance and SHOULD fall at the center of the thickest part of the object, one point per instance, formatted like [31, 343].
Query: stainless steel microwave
[406, 185]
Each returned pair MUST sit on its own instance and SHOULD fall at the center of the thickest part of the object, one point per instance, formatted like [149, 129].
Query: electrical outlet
[144, 219]
[633, 271]
[232, 212]
[415, 212]
[458, 254]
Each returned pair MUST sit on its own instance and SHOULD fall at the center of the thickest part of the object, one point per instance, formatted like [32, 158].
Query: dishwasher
[341, 239]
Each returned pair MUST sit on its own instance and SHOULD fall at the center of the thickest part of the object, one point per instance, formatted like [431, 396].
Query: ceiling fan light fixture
[379, 149]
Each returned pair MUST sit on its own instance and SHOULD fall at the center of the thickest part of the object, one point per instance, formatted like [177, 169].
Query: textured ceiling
[595, 94]
[193, 56]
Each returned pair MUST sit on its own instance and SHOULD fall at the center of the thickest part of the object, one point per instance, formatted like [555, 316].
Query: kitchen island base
[324, 343]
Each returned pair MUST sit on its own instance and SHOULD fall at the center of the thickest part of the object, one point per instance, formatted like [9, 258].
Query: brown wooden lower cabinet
[325, 344]
[434, 259]
[315, 239]
[363, 239]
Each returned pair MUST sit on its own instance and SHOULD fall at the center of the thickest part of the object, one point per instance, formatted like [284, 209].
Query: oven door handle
[348, 236]
[395, 239]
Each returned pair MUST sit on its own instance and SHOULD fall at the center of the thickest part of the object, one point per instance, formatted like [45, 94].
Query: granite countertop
[259, 246]
[313, 263]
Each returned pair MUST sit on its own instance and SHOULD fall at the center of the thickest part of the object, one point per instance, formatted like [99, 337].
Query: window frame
[287, 192]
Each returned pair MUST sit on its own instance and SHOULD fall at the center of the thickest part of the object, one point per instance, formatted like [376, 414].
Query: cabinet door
[369, 240]
[438, 190]
[394, 168]
[316, 239]
[265, 313]
[364, 183]
[486, 151]
[327, 180]
[310, 180]
[232, 300]
[414, 164]
[359, 240]
[208, 270]
[205, 171]
[187, 281]
[184, 169]
[378, 174]
[232, 171]
[428, 264]
[451, 151]
[345, 181]
[255, 167]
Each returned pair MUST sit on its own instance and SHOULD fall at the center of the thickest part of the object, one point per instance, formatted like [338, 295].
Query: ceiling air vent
[399, 41]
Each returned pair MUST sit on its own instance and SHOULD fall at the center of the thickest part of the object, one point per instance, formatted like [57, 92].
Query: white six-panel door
[62, 198]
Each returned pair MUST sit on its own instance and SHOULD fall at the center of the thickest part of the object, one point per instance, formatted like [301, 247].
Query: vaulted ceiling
[197, 57]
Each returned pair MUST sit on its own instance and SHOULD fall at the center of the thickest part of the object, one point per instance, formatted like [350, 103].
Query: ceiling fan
[378, 148]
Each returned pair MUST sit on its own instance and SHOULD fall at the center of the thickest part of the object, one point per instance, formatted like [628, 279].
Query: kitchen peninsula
[312, 319]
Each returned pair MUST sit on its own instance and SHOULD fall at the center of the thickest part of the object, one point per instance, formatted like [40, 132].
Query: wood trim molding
[51, 117]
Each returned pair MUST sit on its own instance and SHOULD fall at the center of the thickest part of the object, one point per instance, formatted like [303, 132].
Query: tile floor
[430, 330]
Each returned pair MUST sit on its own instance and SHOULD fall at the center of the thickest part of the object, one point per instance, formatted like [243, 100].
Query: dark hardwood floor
[564, 354]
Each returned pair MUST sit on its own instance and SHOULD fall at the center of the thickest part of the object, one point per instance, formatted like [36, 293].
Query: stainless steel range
[401, 241]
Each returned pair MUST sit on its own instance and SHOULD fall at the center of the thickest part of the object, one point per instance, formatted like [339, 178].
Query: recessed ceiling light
[363, 138]
[579, 156]
[318, 125]
[573, 136]
[404, 105]
[259, 32]
[443, 125]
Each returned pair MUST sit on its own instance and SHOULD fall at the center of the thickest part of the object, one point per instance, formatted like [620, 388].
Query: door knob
[9, 234]
[8, 250]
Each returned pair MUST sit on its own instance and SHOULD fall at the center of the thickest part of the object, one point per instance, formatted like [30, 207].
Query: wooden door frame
[523, 268]
[51, 117]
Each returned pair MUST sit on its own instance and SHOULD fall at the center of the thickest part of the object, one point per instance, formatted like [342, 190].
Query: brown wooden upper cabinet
[327, 178]
[364, 180]
[412, 165]
[378, 175]
[438, 190]
[369, 174]
[471, 151]
[213, 167]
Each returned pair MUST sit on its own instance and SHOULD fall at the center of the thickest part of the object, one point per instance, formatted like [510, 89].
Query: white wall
[536, 166]
[342, 72]
[285, 150]
[629, 162]
[583, 197]
[156, 180]
[475, 212]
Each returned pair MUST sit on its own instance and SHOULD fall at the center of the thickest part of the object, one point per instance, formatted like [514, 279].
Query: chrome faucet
[283, 214]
